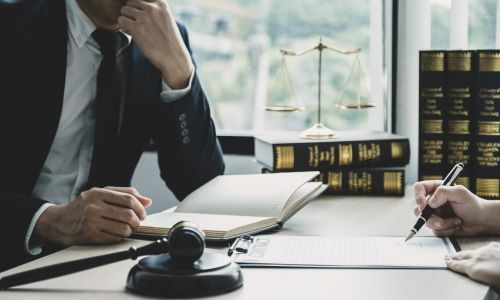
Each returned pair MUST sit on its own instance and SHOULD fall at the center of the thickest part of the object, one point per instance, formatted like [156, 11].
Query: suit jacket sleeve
[189, 153]
[16, 206]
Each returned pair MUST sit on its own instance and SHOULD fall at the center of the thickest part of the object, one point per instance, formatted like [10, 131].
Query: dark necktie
[107, 106]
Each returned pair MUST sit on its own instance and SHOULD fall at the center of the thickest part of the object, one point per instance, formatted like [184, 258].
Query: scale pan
[356, 106]
[283, 108]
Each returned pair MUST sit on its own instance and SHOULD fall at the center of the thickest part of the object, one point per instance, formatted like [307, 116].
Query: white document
[346, 252]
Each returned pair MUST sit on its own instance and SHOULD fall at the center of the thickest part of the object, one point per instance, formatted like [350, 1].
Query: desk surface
[325, 216]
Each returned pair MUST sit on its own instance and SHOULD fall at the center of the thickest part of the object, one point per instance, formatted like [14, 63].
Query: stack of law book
[459, 99]
[355, 163]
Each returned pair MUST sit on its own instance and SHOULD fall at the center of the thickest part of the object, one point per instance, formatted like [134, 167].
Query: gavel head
[186, 242]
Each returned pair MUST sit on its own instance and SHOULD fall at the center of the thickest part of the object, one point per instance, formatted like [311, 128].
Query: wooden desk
[324, 216]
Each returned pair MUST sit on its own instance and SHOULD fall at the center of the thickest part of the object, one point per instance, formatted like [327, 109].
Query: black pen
[427, 212]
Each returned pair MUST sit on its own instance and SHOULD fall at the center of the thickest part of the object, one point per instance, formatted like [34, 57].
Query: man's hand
[482, 264]
[153, 28]
[457, 211]
[96, 216]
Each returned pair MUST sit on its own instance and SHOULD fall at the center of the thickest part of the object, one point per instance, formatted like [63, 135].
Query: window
[236, 45]
[463, 24]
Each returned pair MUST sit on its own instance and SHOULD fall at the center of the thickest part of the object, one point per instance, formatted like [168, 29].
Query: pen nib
[409, 236]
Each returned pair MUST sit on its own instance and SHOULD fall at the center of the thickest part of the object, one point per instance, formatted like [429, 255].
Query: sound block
[161, 276]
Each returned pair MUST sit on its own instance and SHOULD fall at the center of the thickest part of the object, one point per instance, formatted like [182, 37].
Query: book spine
[459, 90]
[486, 125]
[365, 182]
[431, 107]
[324, 156]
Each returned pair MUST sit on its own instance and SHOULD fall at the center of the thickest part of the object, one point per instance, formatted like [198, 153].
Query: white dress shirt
[66, 169]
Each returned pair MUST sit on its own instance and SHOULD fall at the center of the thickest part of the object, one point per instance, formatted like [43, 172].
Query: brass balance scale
[319, 131]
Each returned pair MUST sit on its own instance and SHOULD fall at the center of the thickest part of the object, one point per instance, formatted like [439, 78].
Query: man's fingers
[416, 211]
[447, 232]
[115, 228]
[131, 12]
[120, 214]
[422, 189]
[145, 201]
[140, 4]
[426, 187]
[126, 24]
[459, 266]
[443, 194]
[462, 255]
[436, 222]
[120, 199]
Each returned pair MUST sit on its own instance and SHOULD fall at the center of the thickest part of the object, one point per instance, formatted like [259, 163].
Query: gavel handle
[61, 269]
[48, 272]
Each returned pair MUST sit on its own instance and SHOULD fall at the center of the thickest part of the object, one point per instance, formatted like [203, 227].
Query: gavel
[185, 244]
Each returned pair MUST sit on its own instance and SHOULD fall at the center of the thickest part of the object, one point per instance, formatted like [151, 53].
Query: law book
[486, 125]
[431, 147]
[459, 92]
[285, 151]
[361, 182]
[229, 206]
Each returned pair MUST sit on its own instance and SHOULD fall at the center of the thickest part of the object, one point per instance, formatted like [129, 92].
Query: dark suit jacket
[33, 52]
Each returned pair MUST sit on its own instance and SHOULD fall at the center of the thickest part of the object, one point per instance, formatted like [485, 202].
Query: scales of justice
[319, 131]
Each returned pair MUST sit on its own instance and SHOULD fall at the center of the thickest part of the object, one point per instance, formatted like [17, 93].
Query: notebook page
[161, 222]
[347, 251]
[261, 195]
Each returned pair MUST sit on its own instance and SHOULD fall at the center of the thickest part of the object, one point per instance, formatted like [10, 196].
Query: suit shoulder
[19, 4]
[13, 11]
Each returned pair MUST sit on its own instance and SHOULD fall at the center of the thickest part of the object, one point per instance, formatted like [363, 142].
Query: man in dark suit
[84, 86]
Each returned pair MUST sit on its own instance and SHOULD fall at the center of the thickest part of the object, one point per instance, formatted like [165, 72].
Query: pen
[427, 211]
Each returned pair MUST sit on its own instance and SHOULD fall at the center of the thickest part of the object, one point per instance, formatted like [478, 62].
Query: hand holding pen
[456, 210]
[427, 212]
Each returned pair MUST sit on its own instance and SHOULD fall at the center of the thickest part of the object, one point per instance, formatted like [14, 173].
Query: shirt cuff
[168, 95]
[37, 249]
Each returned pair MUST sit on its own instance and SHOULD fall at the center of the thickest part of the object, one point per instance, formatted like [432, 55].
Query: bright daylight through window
[236, 45]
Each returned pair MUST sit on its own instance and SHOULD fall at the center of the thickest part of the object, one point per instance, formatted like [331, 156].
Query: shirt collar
[80, 26]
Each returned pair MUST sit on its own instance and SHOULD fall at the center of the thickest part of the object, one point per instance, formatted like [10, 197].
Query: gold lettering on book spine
[489, 62]
[488, 128]
[463, 181]
[285, 158]
[487, 187]
[432, 61]
[398, 150]
[432, 126]
[430, 177]
[458, 127]
[393, 182]
[335, 181]
[345, 155]
[459, 61]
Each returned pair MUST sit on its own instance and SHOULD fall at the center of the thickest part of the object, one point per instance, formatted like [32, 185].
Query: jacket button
[186, 140]
[182, 117]
[183, 124]
[184, 132]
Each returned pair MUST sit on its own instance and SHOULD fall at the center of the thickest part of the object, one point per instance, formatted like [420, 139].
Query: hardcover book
[229, 206]
[459, 91]
[486, 125]
[285, 151]
[362, 182]
[431, 115]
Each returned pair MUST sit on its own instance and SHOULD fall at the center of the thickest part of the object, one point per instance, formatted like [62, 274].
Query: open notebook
[233, 205]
